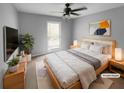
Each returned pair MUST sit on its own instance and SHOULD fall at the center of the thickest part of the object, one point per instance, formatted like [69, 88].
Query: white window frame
[56, 22]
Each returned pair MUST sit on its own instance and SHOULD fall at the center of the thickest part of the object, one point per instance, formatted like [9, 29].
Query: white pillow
[96, 48]
[105, 48]
[85, 45]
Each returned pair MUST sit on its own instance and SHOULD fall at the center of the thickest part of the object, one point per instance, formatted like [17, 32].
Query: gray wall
[81, 25]
[37, 26]
[8, 17]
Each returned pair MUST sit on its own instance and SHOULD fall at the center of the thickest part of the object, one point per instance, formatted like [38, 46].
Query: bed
[71, 69]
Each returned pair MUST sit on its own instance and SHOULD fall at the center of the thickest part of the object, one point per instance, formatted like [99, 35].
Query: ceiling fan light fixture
[66, 17]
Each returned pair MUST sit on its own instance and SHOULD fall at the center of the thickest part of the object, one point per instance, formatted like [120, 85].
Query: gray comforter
[86, 58]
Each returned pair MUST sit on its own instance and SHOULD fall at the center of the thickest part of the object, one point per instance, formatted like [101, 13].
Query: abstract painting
[100, 28]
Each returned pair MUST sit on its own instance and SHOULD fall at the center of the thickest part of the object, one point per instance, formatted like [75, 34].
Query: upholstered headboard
[111, 43]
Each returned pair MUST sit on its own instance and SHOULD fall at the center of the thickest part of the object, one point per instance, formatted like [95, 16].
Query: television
[10, 37]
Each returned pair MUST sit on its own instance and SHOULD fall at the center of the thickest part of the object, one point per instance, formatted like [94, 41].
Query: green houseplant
[28, 42]
[13, 64]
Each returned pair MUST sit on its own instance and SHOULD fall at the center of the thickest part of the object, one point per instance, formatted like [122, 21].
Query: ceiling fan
[68, 11]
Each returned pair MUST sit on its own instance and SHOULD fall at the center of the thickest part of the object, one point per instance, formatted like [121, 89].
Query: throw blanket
[86, 58]
[63, 72]
[84, 70]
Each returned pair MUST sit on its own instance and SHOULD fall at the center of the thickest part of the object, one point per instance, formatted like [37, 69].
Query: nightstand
[16, 80]
[74, 46]
[116, 66]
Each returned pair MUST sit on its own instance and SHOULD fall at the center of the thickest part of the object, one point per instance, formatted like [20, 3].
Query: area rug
[44, 82]
[101, 83]
[43, 79]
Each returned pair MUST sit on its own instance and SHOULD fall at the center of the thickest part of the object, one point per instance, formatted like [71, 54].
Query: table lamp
[118, 54]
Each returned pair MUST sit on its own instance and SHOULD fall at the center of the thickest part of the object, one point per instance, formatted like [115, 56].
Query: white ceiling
[52, 9]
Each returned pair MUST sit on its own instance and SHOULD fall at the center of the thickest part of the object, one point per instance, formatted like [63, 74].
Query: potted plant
[28, 42]
[13, 64]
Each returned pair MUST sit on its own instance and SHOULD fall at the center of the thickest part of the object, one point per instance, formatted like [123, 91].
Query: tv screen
[10, 41]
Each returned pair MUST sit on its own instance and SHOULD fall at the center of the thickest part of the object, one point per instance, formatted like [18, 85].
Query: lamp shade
[75, 42]
[118, 54]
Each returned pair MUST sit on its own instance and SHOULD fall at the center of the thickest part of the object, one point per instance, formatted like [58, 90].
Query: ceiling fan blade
[79, 9]
[75, 14]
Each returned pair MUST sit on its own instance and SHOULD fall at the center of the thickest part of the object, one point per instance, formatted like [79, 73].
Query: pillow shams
[106, 48]
[96, 48]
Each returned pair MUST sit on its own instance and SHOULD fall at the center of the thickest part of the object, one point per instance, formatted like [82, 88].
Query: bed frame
[77, 85]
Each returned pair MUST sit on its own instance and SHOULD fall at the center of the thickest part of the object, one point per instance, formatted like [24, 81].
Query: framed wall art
[101, 28]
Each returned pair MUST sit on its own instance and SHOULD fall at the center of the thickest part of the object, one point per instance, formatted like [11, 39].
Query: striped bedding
[87, 58]
[69, 68]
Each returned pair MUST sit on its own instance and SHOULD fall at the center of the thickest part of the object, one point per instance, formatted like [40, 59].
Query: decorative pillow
[85, 45]
[106, 50]
[96, 48]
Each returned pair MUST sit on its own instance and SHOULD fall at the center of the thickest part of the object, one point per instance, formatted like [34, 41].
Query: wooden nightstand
[15, 80]
[116, 66]
[74, 46]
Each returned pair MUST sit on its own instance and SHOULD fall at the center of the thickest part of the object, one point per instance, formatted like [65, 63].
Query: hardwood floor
[31, 81]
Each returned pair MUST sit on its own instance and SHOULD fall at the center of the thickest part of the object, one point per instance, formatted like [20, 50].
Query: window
[53, 35]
